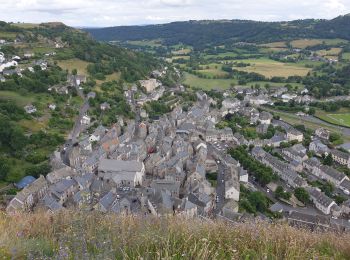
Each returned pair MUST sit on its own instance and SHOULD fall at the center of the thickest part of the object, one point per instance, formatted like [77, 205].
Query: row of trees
[262, 173]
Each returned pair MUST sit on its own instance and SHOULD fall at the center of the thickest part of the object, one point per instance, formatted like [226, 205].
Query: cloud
[127, 12]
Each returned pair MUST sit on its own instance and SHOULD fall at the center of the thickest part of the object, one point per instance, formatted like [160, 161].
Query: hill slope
[28, 140]
[199, 33]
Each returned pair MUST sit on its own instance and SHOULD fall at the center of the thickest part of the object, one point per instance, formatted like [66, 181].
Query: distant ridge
[203, 32]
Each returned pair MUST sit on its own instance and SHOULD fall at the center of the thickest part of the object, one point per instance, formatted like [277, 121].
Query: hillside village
[160, 165]
[186, 152]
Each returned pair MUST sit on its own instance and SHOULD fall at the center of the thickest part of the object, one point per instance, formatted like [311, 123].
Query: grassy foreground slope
[96, 236]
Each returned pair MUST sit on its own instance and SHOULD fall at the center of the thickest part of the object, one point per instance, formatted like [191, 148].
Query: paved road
[220, 188]
[77, 128]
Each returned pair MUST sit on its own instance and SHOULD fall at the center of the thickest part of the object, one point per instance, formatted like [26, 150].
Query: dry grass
[330, 52]
[303, 43]
[275, 45]
[271, 68]
[97, 236]
[71, 64]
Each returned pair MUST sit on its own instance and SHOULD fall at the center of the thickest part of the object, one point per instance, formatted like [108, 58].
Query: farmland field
[221, 55]
[303, 43]
[331, 52]
[275, 45]
[145, 43]
[270, 68]
[346, 55]
[212, 70]
[207, 84]
[8, 35]
[181, 52]
[185, 57]
[27, 25]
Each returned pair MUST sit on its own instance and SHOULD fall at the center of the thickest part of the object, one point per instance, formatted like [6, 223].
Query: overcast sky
[100, 13]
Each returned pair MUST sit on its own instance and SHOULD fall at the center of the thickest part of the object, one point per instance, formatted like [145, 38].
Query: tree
[4, 168]
[333, 137]
[302, 195]
[281, 193]
[258, 200]
[328, 188]
[328, 160]
[311, 111]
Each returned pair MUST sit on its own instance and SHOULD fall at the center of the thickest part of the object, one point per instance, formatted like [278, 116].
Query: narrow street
[77, 128]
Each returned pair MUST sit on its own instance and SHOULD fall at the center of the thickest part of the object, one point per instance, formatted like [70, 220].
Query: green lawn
[207, 84]
[342, 119]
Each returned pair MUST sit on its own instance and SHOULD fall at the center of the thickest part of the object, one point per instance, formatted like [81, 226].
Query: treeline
[331, 106]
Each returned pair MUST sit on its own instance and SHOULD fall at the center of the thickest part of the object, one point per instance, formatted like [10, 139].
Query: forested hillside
[36, 60]
[201, 33]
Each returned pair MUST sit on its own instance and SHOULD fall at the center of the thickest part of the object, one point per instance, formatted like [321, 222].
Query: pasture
[180, 52]
[346, 55]
[207, 84]
[270, 68]
[275, 45]
[212, 70]
[303, 43]
[330, 52]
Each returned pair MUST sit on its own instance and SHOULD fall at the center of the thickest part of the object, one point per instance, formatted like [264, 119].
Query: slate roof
[25, 182]
[119, 165]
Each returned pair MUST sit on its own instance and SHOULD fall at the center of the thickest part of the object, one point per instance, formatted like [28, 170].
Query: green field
[346, 55]
[213, 69]
[27, 25]
[303, 43]
[275, 45]
[270, 68]
[220, 55]
[207, 84]
[8, 35]
[20, 100]
[342, 119]
[146, 43]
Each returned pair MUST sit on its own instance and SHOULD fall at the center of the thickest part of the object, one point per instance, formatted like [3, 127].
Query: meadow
[71, 64]
[304, 43]
[270, 68]
[207, 84]
[92, 235]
